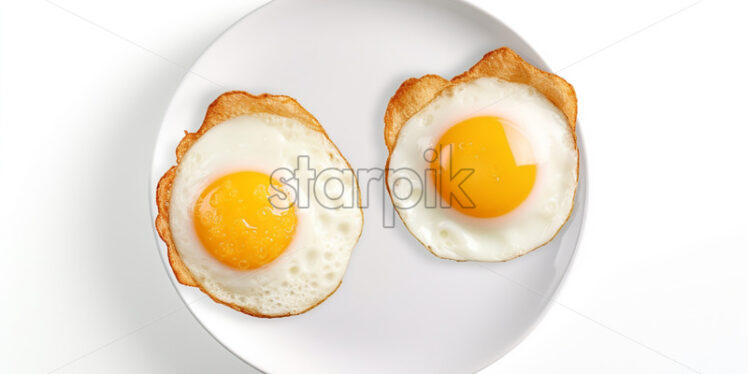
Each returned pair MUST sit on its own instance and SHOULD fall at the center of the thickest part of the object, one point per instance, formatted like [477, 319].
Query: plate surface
[399, 309]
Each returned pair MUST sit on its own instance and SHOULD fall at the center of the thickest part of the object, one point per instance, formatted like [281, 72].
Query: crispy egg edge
[414, 94]
[227, 106]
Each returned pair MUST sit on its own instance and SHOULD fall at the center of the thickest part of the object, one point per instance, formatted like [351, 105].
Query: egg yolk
[484, 167]
[237, 224]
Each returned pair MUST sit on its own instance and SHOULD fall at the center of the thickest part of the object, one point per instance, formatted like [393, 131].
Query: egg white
[453, 235]
[313, 264]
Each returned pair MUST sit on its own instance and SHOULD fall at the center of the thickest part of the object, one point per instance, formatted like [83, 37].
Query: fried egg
[240, 226]
[486, 171]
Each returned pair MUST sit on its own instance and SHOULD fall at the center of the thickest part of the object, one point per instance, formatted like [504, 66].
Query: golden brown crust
[409, 99]
[229, 105]
[503, 63]
[238, 103]
[163, 197]
[416, 93]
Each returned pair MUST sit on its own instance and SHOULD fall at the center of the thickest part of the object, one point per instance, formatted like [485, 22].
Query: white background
[659, 282]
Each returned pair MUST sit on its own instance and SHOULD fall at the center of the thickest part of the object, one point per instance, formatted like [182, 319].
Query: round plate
[399, 309]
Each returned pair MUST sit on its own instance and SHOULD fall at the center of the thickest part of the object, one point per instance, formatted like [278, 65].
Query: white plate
[399, 309]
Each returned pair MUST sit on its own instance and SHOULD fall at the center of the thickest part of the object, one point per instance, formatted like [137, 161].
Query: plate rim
[580, 209]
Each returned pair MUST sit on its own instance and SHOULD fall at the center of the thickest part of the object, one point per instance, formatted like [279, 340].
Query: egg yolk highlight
[237, 224]
[498, 159]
